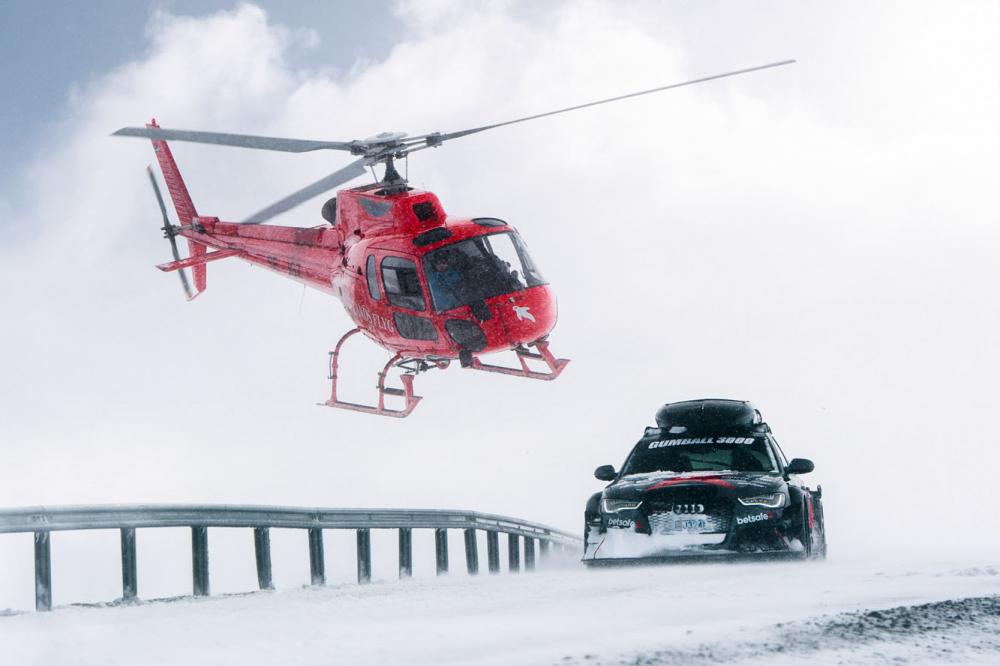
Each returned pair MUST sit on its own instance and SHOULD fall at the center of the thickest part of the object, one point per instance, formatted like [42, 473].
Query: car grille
[696, 510]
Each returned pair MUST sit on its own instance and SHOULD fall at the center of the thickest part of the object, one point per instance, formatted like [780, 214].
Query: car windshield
[700, 454]
[479, 268]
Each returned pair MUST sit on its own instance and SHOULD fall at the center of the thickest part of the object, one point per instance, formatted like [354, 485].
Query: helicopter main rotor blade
[435, 139]
[238, 140]
[339, 177]
[381, 148]
[169, 232]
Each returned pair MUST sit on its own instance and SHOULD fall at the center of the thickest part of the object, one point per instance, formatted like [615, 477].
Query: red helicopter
[427, 286]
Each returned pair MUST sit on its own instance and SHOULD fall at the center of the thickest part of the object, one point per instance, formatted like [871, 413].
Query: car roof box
[708, 416]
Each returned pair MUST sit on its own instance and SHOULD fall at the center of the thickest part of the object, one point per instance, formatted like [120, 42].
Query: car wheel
[805, 532]
[819, 529]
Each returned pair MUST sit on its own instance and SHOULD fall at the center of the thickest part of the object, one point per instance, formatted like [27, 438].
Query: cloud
[818, 239]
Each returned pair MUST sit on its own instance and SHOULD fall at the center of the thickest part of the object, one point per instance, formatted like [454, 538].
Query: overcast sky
[51, 48]
[819, 239]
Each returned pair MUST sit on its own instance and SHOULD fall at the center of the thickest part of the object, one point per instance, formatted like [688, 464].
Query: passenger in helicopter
[444, 281]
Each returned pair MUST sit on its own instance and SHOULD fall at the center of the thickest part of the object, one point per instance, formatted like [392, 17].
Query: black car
[709, 479]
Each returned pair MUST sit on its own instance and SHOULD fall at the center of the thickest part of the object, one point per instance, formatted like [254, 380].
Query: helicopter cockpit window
[402, 286]
[479, 268]
[489, 222]
[372, 278]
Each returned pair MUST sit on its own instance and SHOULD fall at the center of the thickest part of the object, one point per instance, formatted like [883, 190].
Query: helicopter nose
[528, 315]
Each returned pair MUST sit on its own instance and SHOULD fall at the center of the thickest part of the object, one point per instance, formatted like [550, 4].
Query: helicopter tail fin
[186, 212]
[175, 184]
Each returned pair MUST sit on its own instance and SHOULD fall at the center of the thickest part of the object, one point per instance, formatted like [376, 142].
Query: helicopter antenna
[382, 148]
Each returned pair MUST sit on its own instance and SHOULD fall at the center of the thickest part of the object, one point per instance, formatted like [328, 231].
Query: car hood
[734, 483]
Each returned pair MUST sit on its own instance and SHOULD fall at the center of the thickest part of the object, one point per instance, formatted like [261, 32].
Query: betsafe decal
[616, 521]
[756, 518]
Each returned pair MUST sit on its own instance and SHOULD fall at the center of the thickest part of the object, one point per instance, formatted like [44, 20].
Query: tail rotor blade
[181, 272]
[159, 197]
[169, 233]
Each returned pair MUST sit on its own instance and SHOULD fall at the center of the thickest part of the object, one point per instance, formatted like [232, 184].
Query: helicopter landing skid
[410, 400]
[555, 365]
[411, 368]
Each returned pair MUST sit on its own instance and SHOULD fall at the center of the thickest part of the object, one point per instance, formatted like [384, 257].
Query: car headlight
[772, 501]
[614, 505]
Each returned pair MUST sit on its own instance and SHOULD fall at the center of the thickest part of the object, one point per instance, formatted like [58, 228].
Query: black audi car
[709, 479]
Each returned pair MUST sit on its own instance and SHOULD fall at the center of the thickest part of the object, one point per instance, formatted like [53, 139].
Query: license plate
[693, 523]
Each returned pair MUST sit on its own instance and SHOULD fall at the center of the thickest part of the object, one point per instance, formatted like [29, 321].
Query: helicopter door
[405, 293]
[506, 269]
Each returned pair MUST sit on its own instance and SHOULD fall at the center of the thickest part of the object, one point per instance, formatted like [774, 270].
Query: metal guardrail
[44, 520]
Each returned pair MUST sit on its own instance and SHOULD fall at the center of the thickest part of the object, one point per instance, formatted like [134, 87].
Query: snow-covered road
[568, 615]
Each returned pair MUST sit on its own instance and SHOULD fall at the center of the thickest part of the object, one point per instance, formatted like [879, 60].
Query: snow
[621, 543]
[551, 615]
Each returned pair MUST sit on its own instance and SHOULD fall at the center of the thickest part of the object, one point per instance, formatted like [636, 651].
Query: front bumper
[740, 531]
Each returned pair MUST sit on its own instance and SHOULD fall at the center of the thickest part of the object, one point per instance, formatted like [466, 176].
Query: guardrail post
[471, 552]
[43, 572]
[529, 553]
[130, 585]
[199, 560]
[543, 549]
[317, 565]
[493, 551]
[405, 552]
[262, 555]
[513, 553]
[364, 556]
[441, 549]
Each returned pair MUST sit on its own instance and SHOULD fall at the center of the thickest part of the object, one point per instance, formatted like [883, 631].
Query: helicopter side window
[372, 278]
[412, 327]
[374, 207]
[402, 285]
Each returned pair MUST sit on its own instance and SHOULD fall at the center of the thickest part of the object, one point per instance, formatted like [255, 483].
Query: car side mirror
[605, 473]
[800, 466]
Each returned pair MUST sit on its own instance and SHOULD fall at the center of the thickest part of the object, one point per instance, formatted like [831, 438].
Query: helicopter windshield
[479, 268]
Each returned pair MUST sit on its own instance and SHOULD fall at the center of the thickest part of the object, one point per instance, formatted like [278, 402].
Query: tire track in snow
[952, 631]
